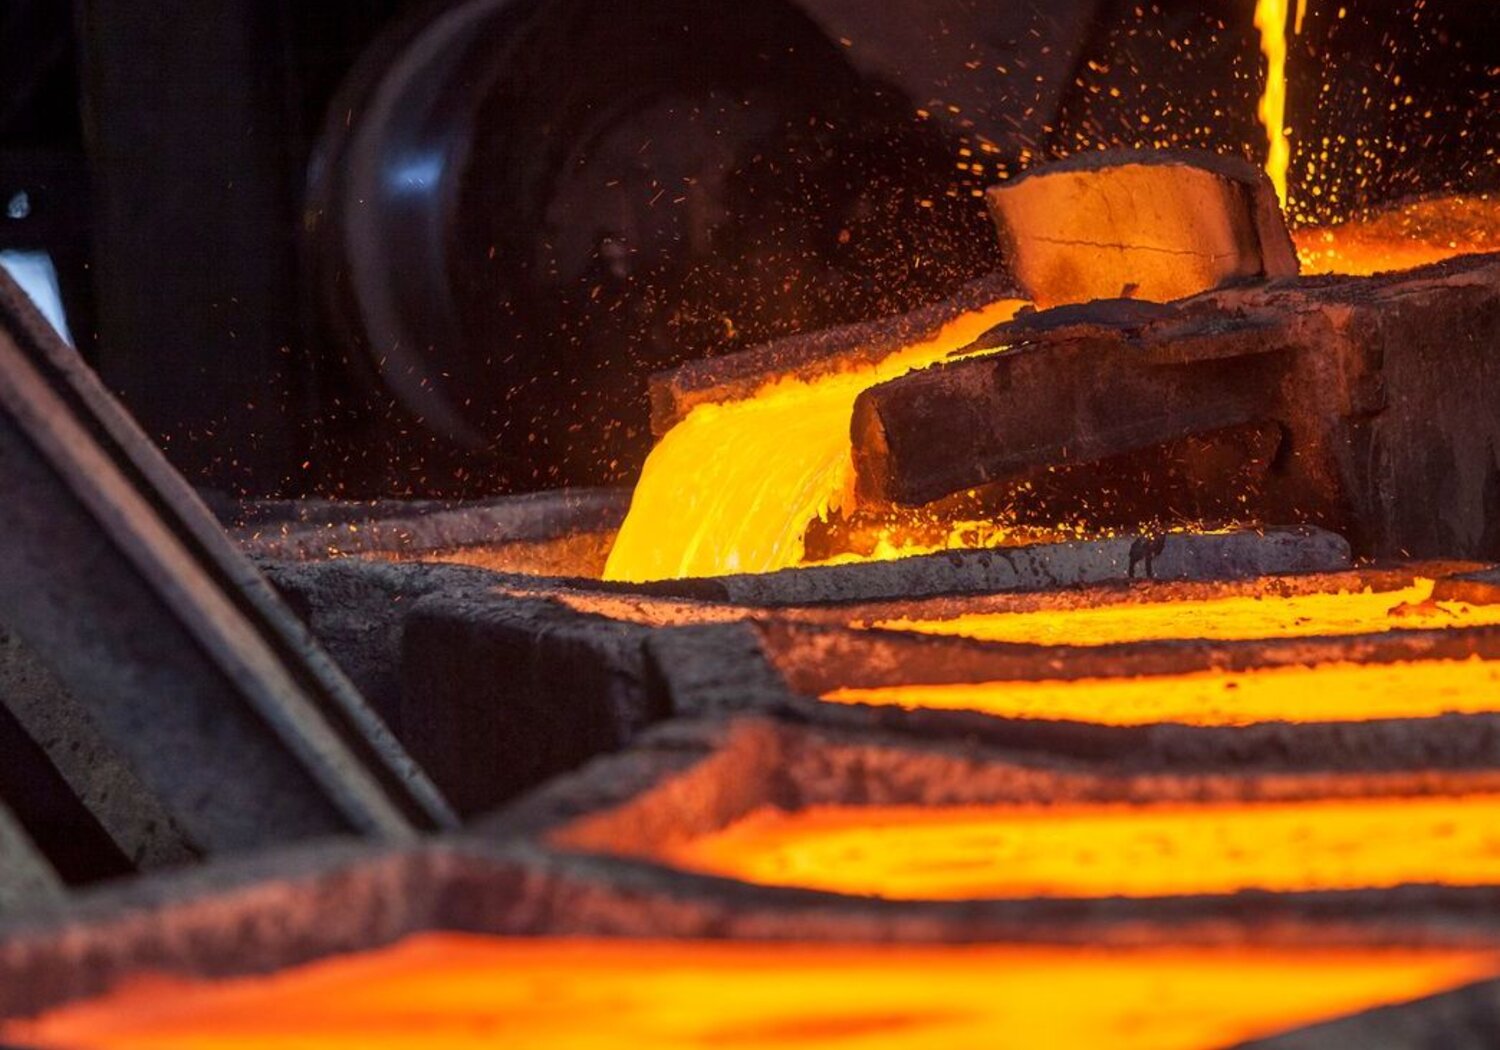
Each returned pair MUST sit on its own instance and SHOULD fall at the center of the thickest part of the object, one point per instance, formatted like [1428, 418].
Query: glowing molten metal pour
[733, 487]
[454, 992]
[1109, 849]
[1271, 19]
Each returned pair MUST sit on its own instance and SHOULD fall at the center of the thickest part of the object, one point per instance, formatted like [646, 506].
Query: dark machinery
[365, 249]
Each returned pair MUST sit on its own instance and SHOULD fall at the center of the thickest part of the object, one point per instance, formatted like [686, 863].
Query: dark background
[597, 189]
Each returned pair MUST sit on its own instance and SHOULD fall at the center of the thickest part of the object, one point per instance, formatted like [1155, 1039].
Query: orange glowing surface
[1230, 617]
[1329, 693]
[1415, 234]
[454, 992]
[1109, 850]
[733, 487]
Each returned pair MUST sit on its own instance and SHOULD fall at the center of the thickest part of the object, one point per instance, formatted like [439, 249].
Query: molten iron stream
[1330, 693]
[1108, 850]
[455, 992]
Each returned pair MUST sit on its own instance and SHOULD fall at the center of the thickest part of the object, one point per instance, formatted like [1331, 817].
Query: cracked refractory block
[1124, 225]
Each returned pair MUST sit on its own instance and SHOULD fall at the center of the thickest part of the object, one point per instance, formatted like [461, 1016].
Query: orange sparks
[456, 992]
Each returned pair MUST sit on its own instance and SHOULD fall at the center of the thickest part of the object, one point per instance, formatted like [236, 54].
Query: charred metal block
[1385, 389]
[1157, 225]
[187, 663]
[357, 609]
[1091, 398]
[499, 693]
[564, 533]
[1044, 566]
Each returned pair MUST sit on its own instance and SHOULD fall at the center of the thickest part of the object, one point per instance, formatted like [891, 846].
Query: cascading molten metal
[733, 487]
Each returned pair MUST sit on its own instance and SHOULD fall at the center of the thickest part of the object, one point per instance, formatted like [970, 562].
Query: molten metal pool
[451, 992]
[1108, 849]
[1415, 234]
[1343, 692]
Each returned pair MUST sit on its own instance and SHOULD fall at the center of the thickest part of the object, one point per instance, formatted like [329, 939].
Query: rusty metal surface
[313, 529]
[1174, 556]
[1384, 388]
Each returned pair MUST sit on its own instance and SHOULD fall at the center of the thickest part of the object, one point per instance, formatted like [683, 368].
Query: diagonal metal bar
[113, 571]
